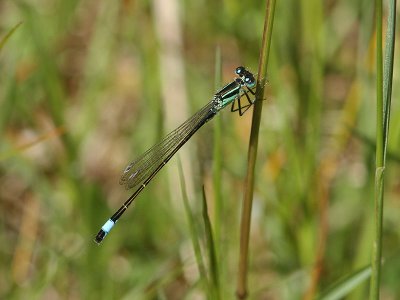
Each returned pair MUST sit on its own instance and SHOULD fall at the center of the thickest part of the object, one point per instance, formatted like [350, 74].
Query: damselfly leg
[249, 83]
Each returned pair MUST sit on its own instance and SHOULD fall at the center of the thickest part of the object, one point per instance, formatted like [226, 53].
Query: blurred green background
[87, 86]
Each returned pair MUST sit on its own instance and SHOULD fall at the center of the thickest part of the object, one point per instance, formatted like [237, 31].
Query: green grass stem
[212, 256]
[4, 40]
[388, 71]
[379, 158]
[217, 158]
[345, 285]
[384, 75]
[194, 234]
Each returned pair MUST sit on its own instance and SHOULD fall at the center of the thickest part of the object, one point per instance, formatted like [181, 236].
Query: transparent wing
[137, 171]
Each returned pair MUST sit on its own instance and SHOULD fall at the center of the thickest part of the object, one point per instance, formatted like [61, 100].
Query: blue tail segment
[104, 231]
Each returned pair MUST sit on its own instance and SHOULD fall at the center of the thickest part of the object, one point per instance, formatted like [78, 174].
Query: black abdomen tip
[100, 236]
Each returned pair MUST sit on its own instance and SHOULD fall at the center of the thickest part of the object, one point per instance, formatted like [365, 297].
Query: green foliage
[4, 40]
[82, 85]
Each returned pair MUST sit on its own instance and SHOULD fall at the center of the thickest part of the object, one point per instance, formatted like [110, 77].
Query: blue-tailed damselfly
[141, 171]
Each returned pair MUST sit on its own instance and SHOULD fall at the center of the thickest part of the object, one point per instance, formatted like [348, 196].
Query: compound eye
[250, 81]
[240, 71]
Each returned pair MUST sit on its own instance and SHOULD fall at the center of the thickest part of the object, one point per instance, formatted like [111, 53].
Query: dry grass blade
[252, 153]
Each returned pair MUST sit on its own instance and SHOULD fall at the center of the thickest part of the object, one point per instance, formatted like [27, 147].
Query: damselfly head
[249, 80]
[240, 71]
[246, 76]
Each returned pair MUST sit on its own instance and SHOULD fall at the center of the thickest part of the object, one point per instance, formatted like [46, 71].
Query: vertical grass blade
[213, 262]
[384, 90]
[388, 71]
[241, 290]
[376, 247]
[194, 234]
[217, 159]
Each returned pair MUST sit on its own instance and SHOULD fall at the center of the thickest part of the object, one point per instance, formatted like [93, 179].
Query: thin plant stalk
[344, 286]
[194, 234]
[241, 290]
[4, 40]
[377, 247]
[212, 256]
[384, 90]
[217, 160]
[388, 71]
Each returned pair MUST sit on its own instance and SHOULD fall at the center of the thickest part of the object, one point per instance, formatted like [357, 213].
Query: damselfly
[141, 171]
